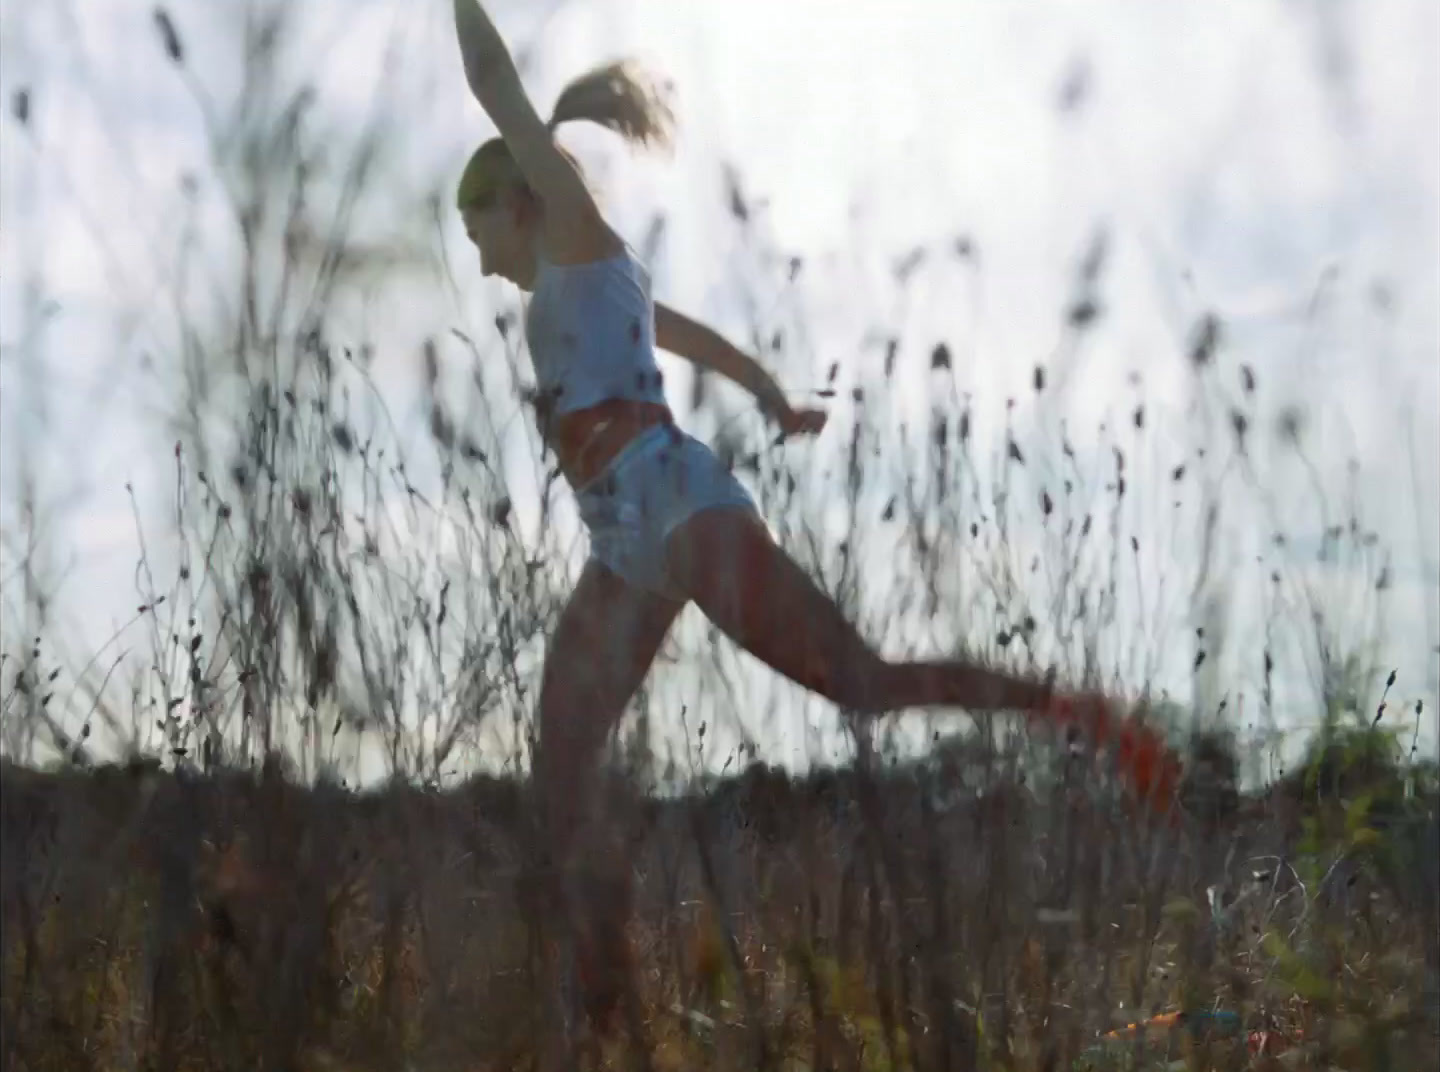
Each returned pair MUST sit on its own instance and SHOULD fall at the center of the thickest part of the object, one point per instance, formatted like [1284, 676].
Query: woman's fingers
[804, 421]
[813, 420]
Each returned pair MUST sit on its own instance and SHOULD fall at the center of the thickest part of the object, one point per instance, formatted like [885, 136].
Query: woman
[668, 523]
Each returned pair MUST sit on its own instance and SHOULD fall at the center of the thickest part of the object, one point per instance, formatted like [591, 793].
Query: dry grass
[881, 921]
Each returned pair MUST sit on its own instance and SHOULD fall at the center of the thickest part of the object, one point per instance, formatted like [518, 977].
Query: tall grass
[207, 874]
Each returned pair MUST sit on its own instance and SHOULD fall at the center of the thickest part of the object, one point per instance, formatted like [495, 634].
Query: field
[940, 917]
[278, 818]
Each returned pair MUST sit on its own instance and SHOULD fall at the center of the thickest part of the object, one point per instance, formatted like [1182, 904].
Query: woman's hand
[482, 51]
[801, 421]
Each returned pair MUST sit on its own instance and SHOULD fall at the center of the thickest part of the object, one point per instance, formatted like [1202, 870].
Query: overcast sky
[1236, 151]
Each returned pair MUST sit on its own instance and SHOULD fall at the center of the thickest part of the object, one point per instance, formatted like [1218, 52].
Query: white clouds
[1229, 174]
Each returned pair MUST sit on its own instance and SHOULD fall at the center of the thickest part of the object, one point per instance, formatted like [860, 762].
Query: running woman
[668, 523]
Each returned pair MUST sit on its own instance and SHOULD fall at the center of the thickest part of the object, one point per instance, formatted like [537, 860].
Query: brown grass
[233, 921]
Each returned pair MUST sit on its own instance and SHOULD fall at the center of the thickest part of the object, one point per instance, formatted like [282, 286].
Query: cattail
[1084, 313]
[738, 206]
[432, 363]
[1241, 424]
[1206, 340]
[1095, 257]
[169, 38]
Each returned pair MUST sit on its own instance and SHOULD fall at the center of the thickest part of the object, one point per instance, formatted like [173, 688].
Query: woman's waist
[585, 441]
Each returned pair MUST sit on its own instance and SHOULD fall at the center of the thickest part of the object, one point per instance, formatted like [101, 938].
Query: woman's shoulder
[620, 255]
[576, 246]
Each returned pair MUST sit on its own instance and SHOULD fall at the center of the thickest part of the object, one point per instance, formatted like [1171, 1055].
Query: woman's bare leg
[727, 562]
[602, 648]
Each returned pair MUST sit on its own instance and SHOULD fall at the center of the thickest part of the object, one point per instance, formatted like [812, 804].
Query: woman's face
[502, 228]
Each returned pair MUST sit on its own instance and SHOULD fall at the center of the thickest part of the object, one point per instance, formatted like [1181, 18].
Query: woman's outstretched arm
[709, 349]
[492, 77]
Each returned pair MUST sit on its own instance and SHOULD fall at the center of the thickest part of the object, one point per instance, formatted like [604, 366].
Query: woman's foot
[604, 957]
[583, 914]
[1144, 760]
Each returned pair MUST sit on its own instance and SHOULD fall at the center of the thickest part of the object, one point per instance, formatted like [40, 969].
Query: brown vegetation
[903, 919]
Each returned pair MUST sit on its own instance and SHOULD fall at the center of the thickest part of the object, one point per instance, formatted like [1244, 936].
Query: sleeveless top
[591, 331]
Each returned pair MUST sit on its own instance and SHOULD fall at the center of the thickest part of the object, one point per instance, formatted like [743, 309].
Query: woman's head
[499, 210]
[502, 213]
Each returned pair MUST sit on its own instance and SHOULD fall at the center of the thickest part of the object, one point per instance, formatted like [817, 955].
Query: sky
[1277, 162]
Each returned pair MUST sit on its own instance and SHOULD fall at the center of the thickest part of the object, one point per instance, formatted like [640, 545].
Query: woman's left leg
[727, 562]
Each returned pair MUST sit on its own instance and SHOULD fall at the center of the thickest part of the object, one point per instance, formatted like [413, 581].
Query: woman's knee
[566, 728]
[853, 679]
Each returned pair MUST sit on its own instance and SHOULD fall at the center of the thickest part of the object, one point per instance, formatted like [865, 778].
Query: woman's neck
[525, 276]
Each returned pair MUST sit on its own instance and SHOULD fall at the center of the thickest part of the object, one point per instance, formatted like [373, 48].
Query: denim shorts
[658, 481]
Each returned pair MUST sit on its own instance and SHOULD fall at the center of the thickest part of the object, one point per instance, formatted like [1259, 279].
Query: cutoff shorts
[657, 482]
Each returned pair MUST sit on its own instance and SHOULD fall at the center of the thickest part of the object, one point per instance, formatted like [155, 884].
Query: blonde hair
[618, 96]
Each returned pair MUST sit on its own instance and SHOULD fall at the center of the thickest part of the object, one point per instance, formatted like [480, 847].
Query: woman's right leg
[603, 646]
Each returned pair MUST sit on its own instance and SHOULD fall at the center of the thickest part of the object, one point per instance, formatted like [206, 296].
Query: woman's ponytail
[622, 98]
[618, 96]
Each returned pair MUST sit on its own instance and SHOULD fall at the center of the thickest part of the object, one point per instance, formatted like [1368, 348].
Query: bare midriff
[586, 440]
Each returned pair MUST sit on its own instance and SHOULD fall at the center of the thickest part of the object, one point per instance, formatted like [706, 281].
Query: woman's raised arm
[492, 77]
